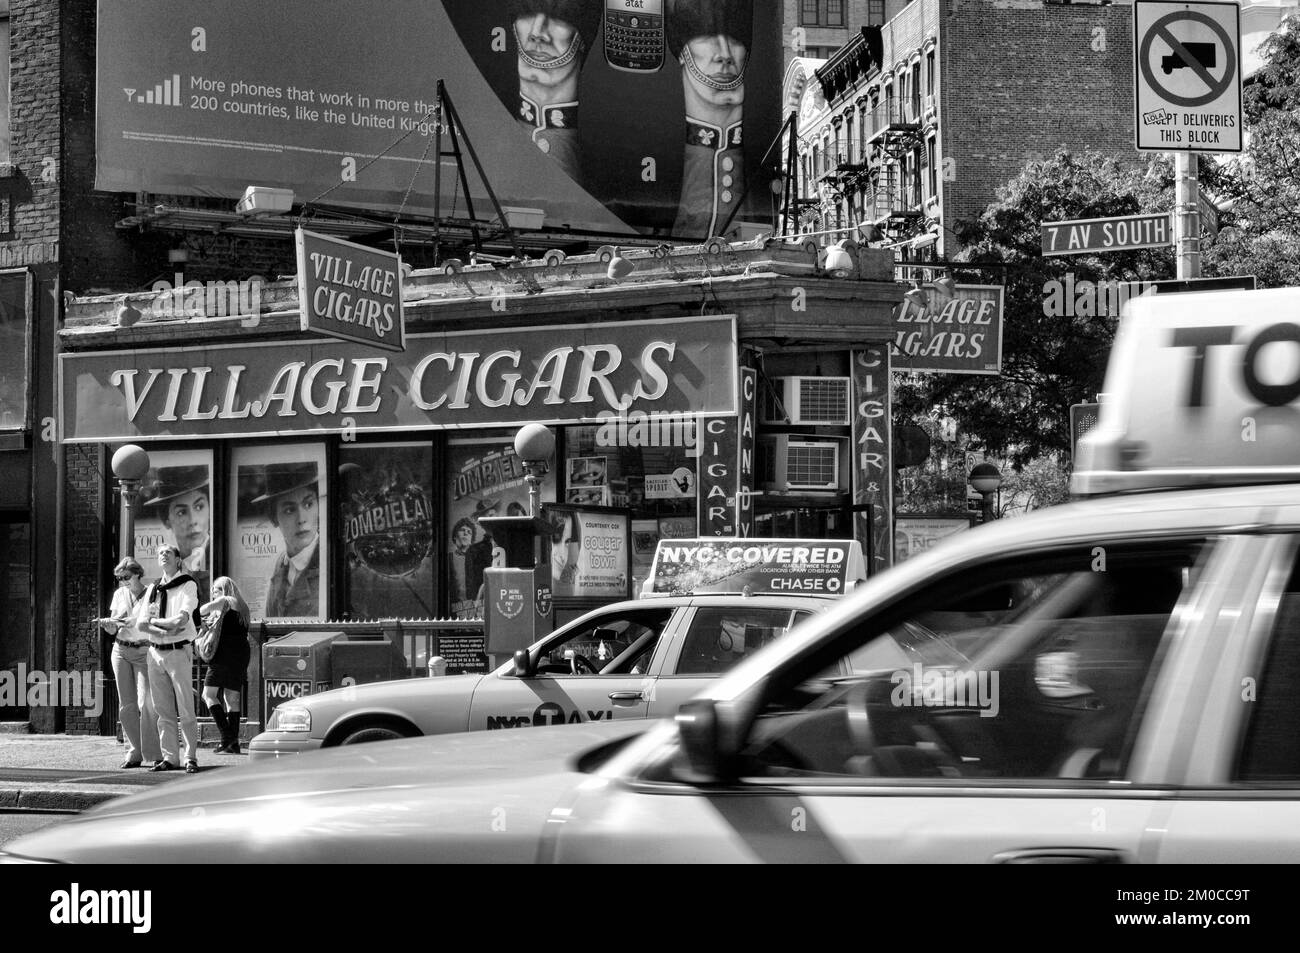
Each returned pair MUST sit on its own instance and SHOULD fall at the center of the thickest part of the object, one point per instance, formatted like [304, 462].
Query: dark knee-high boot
[222, 721]
[232, 721]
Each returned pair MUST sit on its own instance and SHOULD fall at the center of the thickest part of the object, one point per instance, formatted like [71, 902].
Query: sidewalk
[76, 772]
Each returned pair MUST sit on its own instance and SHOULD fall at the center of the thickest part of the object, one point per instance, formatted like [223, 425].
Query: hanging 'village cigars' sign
[442, 381]
[350, 292]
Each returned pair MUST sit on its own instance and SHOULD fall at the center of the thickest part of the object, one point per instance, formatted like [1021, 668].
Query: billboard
[626, 116]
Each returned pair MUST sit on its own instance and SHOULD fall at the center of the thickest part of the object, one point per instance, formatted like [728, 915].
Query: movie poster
[279, 530]
[176, 507]
[486, 479]
[386, 503]
[589, 553]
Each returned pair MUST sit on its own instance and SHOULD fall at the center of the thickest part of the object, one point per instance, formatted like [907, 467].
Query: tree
[1261, 188]
[1057, 329]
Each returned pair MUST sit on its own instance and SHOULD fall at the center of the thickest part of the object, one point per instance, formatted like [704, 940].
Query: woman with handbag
[225, 622]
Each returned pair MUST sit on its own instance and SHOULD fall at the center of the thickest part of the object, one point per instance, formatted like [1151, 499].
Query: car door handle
[1060, 855]
[626, 696]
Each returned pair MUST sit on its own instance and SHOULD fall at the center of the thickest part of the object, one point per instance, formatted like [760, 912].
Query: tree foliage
[1052, 360]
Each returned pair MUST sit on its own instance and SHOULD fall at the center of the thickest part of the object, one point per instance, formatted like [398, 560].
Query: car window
[1270, 751]
[620, 644]
[721, 636]
[1034, 669]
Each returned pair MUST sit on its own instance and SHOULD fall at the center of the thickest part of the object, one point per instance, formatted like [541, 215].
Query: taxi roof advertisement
[811, 567]
[440, 382]
[616, 117]
[1201, 389]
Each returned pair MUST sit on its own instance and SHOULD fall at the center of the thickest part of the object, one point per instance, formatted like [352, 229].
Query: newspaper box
[295, 665]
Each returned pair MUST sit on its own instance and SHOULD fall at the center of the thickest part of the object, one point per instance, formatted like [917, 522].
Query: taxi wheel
[370, 733]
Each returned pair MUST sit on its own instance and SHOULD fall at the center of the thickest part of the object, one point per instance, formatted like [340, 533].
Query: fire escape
[895, 133]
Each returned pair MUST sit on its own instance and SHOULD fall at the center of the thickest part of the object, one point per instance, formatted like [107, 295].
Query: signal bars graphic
[166, 93]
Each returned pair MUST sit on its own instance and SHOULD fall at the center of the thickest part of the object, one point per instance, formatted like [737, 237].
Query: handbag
[209, 638]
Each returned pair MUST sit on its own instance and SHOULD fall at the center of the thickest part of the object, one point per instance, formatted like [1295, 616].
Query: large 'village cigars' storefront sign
[585, 373]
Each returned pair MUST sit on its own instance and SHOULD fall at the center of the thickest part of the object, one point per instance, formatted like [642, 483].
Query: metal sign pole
[1187, 216]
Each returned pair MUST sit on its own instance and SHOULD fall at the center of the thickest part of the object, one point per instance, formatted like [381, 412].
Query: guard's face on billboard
[719, 62]
[298, 517]
[188, 518]
[547, 50]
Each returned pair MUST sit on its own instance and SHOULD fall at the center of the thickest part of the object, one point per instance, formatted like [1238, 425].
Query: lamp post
[985, 478]
[130, 464]
[535, 446]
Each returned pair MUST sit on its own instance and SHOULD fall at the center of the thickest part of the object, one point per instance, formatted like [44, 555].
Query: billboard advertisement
[618, 116]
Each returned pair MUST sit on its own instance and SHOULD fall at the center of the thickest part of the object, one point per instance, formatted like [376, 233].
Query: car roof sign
[1201, 390]
[805, 567]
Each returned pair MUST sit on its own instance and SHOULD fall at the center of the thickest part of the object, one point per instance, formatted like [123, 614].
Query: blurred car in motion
[1107, 681]
[635, 659]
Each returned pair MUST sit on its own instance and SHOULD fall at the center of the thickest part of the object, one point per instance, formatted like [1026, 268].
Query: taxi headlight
[289, 718]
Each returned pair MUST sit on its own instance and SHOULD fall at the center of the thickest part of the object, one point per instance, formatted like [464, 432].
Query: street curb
[45, 799]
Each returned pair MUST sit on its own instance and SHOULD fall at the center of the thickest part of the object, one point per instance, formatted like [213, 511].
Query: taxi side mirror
[523, 664]
[697, 724]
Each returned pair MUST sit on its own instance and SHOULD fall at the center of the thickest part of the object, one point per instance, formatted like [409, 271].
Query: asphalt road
[15, 824]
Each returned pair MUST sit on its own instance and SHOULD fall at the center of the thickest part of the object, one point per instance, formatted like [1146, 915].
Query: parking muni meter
[517, 605]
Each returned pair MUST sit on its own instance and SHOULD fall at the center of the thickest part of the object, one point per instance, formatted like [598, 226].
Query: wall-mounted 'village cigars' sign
[441, 381]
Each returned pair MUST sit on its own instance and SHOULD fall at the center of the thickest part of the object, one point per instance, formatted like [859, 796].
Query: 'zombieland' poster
[386, 493]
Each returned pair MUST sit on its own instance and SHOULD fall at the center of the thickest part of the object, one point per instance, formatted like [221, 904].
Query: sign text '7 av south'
[1091, 235]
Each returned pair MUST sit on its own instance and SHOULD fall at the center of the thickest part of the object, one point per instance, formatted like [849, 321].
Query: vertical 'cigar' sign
[350, 292]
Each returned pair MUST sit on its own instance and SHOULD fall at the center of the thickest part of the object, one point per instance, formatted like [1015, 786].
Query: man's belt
[171, 645]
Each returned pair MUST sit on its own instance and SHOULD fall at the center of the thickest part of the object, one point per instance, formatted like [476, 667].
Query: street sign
[1090, 235]
[1187, 74]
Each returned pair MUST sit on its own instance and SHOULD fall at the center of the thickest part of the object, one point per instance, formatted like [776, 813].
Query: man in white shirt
[166, 615]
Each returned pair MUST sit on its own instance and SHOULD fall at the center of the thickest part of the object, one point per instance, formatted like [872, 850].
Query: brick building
[910, 128]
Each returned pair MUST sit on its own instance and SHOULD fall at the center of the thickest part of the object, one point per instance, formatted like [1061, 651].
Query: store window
[15, 344]
[484, 478]
[646, 465]
[387, 513]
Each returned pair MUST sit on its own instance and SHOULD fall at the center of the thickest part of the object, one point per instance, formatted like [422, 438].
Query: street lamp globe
[985, 478]
[130, 463]
[535, 443]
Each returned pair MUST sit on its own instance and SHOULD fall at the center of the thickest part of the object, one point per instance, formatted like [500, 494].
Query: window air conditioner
[807, 401]
[793, 462]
